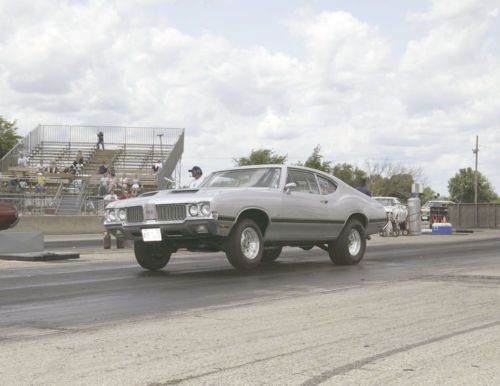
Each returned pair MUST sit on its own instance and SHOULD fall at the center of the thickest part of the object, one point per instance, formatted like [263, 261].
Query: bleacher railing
[115, 137]
[170, 163]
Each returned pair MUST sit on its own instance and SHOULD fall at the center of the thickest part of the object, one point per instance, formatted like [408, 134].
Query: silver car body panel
[292, 216]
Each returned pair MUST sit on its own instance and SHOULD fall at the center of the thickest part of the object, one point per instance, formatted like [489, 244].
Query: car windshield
[245, 178]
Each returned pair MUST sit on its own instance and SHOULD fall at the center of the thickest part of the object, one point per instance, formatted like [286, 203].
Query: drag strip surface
[65, 294]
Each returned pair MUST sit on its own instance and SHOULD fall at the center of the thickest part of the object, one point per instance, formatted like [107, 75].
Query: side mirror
[289, 187]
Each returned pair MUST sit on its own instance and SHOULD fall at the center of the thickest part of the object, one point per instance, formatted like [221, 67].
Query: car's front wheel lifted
[350, 247]
[151, 255]
[244, 247]
[271, 255]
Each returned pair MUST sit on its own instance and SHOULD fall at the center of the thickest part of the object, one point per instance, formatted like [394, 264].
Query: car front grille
[172, 212]
[135, 214]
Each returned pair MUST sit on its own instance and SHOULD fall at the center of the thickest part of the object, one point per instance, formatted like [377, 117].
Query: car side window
[306, 182]
[326, 186]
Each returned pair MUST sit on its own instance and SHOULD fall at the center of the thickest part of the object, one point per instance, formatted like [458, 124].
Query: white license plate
[151, 234]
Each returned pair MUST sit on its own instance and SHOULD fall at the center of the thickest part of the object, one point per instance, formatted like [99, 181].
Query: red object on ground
[8, 216]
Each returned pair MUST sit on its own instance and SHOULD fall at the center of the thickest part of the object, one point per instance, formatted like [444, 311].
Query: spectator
[197, 175]
[53, 167]
[110, 197]
[136, 186]
[100, 140]
[157, 166]
[125, 182]
[40, 183]
[12, 185]
[79, 158]
[22, 184]
[123, 195]
[113, 181]
[41, 168]
[104, 185]
[363, 187]
[22, 161]
[103, 168]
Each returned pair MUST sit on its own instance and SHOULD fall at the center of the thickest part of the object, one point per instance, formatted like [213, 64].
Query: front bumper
[188, 229]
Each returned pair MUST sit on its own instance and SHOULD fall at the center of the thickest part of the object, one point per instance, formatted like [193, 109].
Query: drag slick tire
[270, 255]
[151, 255]
[350, 247]
[244, 246]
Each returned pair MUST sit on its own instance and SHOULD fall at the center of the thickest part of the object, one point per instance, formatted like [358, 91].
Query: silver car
[250, 213]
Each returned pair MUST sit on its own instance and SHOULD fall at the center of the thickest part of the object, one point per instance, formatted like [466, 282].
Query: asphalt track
[72, 293]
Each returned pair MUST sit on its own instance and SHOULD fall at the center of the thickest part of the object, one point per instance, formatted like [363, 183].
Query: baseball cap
[195, 169]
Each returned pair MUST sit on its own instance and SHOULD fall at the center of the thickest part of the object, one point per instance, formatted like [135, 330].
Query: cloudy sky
[405, 81]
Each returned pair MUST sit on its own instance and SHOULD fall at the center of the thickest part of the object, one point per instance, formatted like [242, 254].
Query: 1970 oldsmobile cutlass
[250, 213]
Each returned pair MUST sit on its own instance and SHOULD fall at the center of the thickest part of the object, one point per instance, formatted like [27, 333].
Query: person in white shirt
[197, 175]
[22, 161]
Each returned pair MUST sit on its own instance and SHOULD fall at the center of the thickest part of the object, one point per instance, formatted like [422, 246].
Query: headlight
[112, 215]
[122, 214]
[193, 210]
[106, 214]
[205, 209]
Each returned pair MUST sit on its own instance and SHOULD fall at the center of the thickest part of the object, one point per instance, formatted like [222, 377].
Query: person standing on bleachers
[100, 140]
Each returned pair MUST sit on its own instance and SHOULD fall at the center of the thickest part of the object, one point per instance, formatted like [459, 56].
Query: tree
[261, 157]
[8, 136]
[392, 178]
[350, 174]
[427, 195]
[461, 187]
[315, 161]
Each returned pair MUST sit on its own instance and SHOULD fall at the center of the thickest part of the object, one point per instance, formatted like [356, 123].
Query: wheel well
[257, 215]
[360, 217]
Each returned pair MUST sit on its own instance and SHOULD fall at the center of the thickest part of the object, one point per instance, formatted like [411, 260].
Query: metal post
[476, 151]
[161, 146]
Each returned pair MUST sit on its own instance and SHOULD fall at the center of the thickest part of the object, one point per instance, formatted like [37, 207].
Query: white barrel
[414, 223]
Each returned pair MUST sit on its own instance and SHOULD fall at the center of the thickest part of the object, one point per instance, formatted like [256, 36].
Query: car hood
[180, 196]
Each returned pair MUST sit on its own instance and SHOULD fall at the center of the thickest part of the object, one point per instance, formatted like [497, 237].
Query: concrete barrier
[59, 225]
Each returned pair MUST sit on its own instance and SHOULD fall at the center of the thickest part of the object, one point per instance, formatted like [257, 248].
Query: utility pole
[476, 151]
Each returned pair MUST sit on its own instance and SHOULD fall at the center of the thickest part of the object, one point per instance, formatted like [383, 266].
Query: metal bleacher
[129, 151]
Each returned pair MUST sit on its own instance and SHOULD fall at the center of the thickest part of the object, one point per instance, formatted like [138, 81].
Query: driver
[197, 175]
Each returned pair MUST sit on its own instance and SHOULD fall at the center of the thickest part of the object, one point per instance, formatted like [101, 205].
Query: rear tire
[151, 256]
[244, 247]
[350, 247]
[270, 255]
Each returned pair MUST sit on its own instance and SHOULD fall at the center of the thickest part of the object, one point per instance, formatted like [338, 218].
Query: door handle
[324, 201]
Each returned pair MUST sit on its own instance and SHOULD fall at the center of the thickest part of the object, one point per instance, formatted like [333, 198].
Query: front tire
[271, 255]
[244, 247]
[151, 256]
[350, 247]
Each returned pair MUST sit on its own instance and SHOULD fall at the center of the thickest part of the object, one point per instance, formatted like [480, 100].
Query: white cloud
[98, 62]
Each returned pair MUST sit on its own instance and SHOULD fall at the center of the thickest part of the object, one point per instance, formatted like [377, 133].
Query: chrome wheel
[250, 243]
[354, 242]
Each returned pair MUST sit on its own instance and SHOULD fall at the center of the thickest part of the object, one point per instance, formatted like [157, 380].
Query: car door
[304, 213]
[336, 214]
